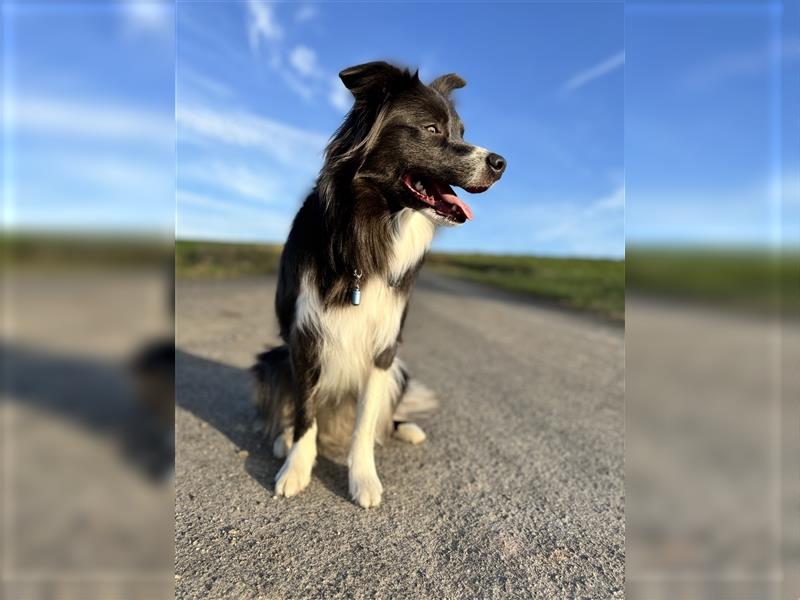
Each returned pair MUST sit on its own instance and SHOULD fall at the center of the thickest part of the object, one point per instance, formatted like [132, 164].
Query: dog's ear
[447, 83]
[376, 79]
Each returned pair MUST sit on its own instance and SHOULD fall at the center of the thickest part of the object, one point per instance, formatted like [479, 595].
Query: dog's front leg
[295, 475]
[365, 487]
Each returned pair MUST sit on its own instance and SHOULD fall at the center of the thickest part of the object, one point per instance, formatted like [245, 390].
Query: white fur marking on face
[478, 161]
[295, 474]
[410, 432]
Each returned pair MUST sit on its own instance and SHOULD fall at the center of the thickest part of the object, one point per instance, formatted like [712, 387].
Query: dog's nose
[496, 162]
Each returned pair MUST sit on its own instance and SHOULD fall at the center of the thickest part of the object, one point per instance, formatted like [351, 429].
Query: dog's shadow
[221, 396]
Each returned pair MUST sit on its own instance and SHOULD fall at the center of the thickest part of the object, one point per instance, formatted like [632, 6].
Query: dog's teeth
[419, 187]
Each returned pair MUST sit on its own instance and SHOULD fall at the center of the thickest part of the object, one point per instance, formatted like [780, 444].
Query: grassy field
[751, 279]
[597, 286]
[200, 260]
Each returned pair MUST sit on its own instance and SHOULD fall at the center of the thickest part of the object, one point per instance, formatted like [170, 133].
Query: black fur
[385, 359]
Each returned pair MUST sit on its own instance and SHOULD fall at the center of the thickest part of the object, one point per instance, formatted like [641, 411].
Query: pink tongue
[446, 193]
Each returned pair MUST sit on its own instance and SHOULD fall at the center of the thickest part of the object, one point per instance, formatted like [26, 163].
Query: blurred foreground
[712, 344]
[87, 419]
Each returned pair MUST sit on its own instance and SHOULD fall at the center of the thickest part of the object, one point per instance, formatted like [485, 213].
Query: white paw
[366, 490]
[292, 479]
[409, 432]
[280, 447]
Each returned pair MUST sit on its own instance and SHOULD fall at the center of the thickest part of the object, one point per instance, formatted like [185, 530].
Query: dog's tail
[273, 397]
[414, 401]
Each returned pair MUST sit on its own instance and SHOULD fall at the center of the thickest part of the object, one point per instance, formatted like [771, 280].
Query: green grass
[83, 251]
[203, 260]
[744, 278]
[596, 286]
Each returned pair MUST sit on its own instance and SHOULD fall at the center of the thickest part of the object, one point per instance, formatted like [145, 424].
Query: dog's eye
[432, 128]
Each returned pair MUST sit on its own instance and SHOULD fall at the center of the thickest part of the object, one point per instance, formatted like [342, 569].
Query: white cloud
[235, 178]
[87, 188]
[262, 24]
[192, 81]
[303, 75]
[739, 213]
[90, 119]
[605, 67]
[207, 217]
[115, 173]
[340, 97]
[291, 146]
[707, 73]
[153, 15]
[572, 223]
[304, 60]
[306, 13]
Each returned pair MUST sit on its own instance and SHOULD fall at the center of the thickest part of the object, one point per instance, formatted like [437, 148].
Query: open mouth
[440, 197]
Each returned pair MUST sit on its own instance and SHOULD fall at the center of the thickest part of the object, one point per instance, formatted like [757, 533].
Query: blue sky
[693, 121]
[711, 149]
[89, 136]
[258, 96]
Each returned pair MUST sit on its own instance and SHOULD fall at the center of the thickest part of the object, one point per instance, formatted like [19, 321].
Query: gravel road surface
[517, 493]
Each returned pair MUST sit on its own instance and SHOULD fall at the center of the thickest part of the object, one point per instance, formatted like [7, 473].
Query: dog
[347, 271]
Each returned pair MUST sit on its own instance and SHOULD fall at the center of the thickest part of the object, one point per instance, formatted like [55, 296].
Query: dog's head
[406, 139]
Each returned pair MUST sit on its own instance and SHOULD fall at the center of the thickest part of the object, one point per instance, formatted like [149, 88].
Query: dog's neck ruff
[413, 233]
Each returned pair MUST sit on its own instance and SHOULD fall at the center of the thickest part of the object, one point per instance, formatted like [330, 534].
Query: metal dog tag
[355, 295]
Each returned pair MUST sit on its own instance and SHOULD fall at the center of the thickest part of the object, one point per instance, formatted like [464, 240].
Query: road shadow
[102, 397]
[221, 396]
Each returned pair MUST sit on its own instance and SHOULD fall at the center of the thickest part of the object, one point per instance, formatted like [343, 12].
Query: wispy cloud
[298, 66]
[262, 24]
[231, 177]
[201, 216]
[304, 61]
[575, 223]
[193, 82]
[85, 118]
[291, 146]
[87, 187]
[305, 13]
[713, 71]
[730, 214]
[155, 17]
[609, 65]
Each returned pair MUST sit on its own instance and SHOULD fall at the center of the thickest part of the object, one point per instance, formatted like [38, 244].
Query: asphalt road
[518, 491]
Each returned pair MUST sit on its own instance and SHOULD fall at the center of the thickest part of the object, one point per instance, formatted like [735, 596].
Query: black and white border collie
[348, 269]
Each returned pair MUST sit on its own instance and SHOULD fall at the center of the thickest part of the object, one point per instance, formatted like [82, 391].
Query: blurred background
[712, 273]
[87, 354]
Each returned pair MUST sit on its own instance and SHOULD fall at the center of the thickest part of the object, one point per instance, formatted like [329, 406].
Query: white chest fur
[352, 336]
